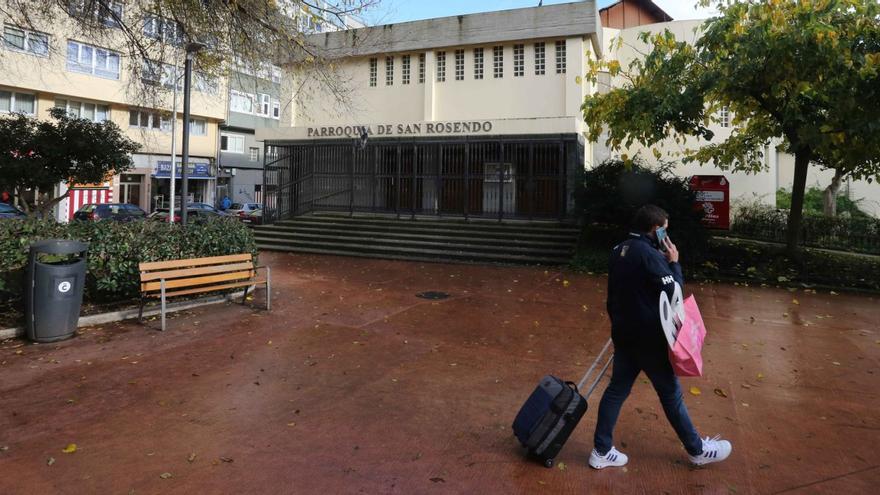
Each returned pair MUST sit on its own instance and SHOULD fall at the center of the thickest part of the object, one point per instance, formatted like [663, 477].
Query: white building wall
[530, 96]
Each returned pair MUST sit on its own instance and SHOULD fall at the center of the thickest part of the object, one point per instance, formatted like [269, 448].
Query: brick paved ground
[353, 385]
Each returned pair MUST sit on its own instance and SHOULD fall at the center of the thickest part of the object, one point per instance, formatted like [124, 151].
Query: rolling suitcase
[554, 409]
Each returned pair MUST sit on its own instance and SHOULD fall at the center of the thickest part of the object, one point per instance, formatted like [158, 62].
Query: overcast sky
[391, 11]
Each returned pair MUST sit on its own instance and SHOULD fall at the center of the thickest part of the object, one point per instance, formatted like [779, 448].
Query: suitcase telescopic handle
[593, 367]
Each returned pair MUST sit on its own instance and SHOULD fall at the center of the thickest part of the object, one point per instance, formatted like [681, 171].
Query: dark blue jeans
[628, 363]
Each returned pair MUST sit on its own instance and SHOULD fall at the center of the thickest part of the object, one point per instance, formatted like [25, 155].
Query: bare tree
[246, 35]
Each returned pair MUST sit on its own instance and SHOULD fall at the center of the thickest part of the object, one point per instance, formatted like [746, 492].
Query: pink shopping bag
[686, 354]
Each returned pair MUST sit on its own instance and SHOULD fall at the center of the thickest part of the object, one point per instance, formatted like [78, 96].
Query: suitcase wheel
[548, 463]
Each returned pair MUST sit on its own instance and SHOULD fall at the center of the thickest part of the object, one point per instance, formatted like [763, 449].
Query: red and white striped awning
[78, 197]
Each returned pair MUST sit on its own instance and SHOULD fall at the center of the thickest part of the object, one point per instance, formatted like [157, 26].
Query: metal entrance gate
[529, 177]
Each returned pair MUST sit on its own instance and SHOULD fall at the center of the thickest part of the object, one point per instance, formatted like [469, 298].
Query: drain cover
[433, 295]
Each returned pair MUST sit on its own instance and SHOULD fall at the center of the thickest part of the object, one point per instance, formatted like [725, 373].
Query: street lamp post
[173, 145]
[191, 49]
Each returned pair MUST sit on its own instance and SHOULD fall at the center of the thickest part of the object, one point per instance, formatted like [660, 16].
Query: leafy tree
[805, 71]
[37, 155]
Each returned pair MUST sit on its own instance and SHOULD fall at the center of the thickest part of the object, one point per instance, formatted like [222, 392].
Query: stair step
[437, 254]
[427, 239]
[483, 225]
[410, 228]
[342, 238]
[538, 242]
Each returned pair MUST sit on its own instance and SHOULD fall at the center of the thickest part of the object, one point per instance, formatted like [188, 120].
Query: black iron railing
[503, 178]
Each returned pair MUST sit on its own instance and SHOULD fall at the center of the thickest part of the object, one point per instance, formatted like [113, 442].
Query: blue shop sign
[193, 170]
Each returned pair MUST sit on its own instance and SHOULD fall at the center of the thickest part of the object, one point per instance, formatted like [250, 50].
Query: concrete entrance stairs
[423, 239]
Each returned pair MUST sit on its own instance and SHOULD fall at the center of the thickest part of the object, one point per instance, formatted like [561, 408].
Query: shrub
[115, 249]
[612, 192]
[846, 233]
[814, 203]
[756, 262]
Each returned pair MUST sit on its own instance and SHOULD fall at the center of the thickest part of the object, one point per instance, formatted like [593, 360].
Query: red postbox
[713, 199]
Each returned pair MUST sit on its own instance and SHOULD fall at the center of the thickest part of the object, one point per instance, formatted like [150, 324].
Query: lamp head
[194, 47]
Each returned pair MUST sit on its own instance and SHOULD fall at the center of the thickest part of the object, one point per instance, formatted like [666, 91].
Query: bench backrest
[193, 272]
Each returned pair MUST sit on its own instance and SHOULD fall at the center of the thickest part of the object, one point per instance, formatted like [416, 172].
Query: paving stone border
[128, 314]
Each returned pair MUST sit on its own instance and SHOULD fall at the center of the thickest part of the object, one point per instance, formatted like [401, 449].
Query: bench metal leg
[244, 297]
[162, 289]
[141, 310]
[268, 289]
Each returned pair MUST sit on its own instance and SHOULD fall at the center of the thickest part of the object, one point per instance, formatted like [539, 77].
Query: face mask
[661, 235]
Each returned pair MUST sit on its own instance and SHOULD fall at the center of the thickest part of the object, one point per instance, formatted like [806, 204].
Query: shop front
[201, 184]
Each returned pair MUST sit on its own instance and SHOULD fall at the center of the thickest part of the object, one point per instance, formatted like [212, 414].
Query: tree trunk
[45, 208]
[22, 203]
[829, 196]
[796, 214]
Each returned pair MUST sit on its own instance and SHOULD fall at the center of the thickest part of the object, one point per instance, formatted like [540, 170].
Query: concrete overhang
[550, 21]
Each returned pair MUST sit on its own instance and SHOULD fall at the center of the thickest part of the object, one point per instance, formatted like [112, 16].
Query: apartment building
[55, 66]
[255, 102]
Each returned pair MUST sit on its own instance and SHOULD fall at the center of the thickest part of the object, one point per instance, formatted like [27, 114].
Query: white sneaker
[614, 458]
[714, 450]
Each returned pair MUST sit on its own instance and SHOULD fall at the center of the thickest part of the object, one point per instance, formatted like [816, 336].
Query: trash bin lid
[59, 246]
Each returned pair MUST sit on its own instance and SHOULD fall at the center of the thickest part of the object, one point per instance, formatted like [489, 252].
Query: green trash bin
[56, 276]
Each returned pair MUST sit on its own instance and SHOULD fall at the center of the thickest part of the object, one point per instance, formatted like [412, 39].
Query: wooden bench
[164, 279]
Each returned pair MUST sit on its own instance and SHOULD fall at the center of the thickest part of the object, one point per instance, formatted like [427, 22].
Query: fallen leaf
[695, 391]
[795, 301]
[720, 393]
[50, 461]
[226, 459]
[833, 293]
[745, 404]
[291, 424]
[438, 480]
[542, 482]
[165, 476]
[71, 448]
[835, 363]
[566, 283]
[561, 466]
[192, 457]
[760, 376]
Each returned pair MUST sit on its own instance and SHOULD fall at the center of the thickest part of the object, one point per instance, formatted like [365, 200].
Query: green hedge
[844, 233]
[115, 249]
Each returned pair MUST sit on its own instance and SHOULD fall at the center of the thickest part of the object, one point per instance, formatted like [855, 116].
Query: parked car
[254, 217]
[9, 211]
[241, 209]
[119, 212]
[192, 215]
[206, 207]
